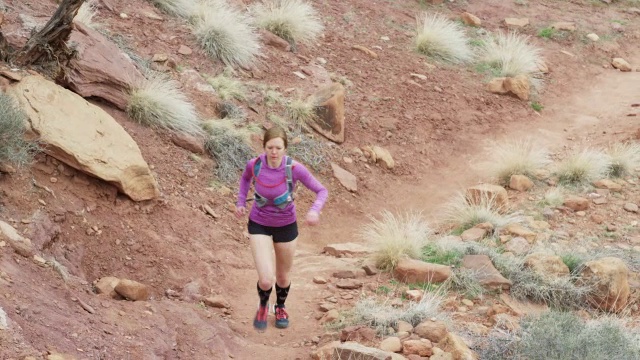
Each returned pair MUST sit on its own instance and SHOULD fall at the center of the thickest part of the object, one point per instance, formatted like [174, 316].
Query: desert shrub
[309, 151]
[434, 254]
[158, 102]
[554, 197]
[395, 237]
[517, 157]
[511, 55]
[583, 167]
[272, 97]
[227, 87]
[229, 110]
[14, 149]
[225, 33]
[442, 38]
[300, 113]
[382, 316]
[624, 158]
[564, 336]
[466, 214]
[296, 21]
[230, 148]
[466, 282]
[85, 14]
[573, 262]
[182, 8]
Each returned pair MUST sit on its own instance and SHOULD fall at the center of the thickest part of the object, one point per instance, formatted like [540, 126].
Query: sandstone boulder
[21, 245]
[470, 19]
[329, 109]
[519, 86]
[415, 271]
[383, 156]
[521, 231]
[455, 345]
[608, 184]
[431, 330]
[107, 285]
[347, 179]
[576, 203]
[496, 86]
[608, 278]
[84, 137]
[518, 245]
[391, 344]
[351, 350]
[520, 183]
[546, 265]
[188, 142]
[422, 347]
[271, 39]
[100, 69]
[621, 64]
[484, 271]
[216, 301]
[132, 290]
[473, 234]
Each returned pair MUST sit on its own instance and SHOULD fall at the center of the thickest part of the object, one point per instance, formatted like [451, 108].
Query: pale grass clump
[466, 213]
[624, 158]
[300, 113]
[554, 197]
[511, 55]
[383, 316]
[442, 38]
[296, 21]
[14, 148]
[230, 148]
[228, 88]
[158, 102]
[85, 14]
[583, 167]
[225, 33]
[396, 237]
[517, 157]
[181, 8]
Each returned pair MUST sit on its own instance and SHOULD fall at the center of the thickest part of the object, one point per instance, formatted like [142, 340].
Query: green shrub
[14, 149]
[437, 255]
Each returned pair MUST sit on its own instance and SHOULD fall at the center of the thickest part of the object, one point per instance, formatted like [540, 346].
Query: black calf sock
[264, 295]
[281, 294]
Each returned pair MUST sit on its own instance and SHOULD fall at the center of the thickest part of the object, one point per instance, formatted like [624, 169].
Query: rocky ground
[185, 258]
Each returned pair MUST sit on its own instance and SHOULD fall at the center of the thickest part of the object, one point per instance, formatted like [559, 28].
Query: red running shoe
[260, 322]
[282, 318]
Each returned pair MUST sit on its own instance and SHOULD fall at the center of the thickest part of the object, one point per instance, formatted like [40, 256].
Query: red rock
[329, 109]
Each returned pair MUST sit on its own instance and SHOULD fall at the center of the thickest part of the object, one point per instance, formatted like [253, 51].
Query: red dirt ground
[437, 132]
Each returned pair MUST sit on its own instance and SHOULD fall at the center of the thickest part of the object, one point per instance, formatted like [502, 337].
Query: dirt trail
[592, 116]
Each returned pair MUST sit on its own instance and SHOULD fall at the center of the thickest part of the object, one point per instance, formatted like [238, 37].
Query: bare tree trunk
[51, 40]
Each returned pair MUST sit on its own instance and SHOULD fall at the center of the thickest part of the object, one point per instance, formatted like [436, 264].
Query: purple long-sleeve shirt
[269, 214]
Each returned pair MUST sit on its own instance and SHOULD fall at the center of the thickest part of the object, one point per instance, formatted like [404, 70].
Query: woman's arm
[302, 174]
[245, 183]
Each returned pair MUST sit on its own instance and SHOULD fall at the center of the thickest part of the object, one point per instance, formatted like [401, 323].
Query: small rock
[349, 284]
[330, 316]
[564, 25]
[184, 50]
[422, 347]
[520, 183]
[519, 86]
[414, 295]
[391, 344]
[598, 219]
[608, 184]
[132, 290]
[217, 301]
[370, 270]
[403, 326]
[347, 179]
[365, 50]
[106, 285]
[474, 234]
[581, 213]
[516, 23]
[325, 307]
[470, 19]
[431, 330]
[319, 280]
[621, 64]
[123, 16]
[468, 302]
[631, 207]
[600, 201]
[593, 37]
[576, 203]
[344, 274]
[496, 86]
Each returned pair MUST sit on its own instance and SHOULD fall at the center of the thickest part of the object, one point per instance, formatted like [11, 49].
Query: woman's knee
[265, 283]
[282, 279]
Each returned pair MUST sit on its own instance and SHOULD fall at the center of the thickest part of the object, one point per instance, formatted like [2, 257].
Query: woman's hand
[240, 211]
[313, 218]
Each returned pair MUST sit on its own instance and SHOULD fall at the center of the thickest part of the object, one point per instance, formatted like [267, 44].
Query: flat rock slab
[84, 136]
[347, 249]
[485, 272]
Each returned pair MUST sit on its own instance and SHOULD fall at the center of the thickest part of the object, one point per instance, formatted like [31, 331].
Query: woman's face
[275, 150]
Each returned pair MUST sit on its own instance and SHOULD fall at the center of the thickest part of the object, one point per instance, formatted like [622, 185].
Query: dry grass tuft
[228, 88]
[158, 102]
[465, 214]
[226, 33]
[182, 8]
[554, 197]
[517, 157]
[296, 21]
[583, 167]
[624, 158]
[395, 237]
[14, 149]
[300, 113]
[229, 146]
[442, 38]
[511, 55]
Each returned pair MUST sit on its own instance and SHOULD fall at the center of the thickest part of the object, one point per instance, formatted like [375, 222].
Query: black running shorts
[280, 234]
